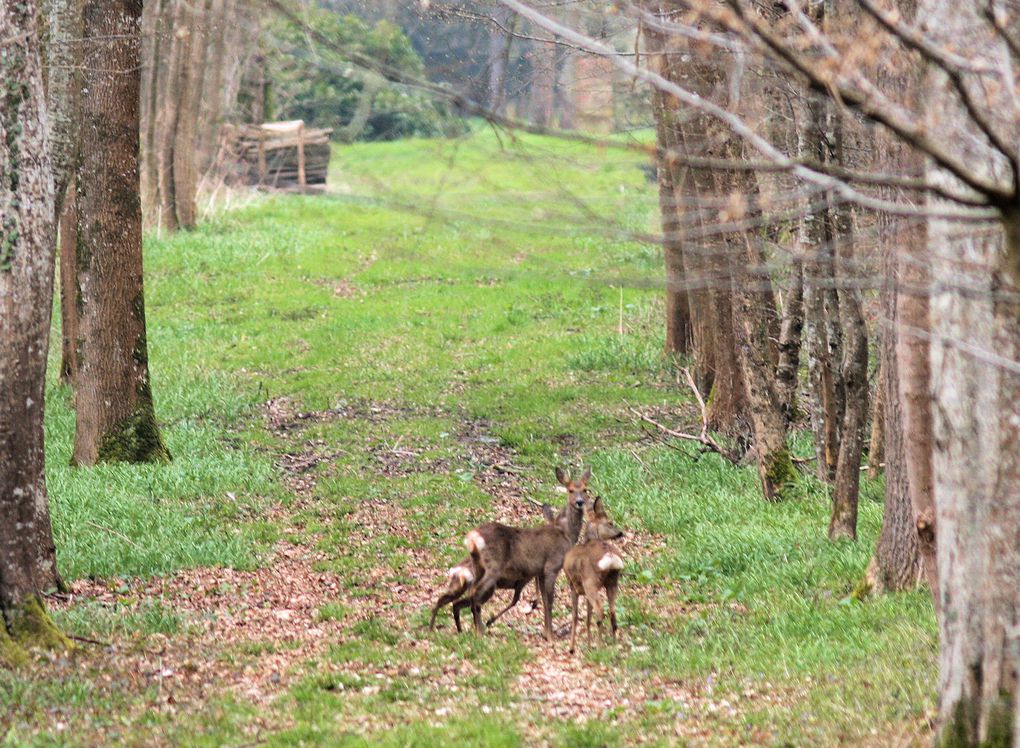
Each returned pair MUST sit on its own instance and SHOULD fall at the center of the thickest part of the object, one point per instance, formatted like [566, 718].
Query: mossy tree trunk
[116, 420]
[27, 207]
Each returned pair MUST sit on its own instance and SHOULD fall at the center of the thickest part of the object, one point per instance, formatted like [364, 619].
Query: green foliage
[314, 82]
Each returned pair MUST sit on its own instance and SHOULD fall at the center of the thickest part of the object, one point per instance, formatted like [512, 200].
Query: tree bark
[772, 454]
[790, 334]
[185, 137]
[876, 444]
[679, 325]
[116, 421]
[168, 109]
[853, 372]
[975, 390]
[543, 82]
[896, 564]
[68, 238]
[154, 41]
[499, 55]
[27, 209]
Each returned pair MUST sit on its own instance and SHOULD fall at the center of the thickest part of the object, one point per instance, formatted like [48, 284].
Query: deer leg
[591, 592]
[587, 624]
[517, 596]
[538, 594]
[573, 621]
[444, 599]
[548, 594]
[611, 590]
[479, 596]
[457, 608]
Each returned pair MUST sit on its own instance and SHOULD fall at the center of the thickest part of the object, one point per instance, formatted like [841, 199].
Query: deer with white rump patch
[465, 573]
[592, 566]
[511, 554]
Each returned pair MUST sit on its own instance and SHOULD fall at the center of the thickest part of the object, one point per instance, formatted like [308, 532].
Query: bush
[318, 84]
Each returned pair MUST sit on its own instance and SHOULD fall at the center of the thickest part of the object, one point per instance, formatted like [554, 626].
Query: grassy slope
[495, 294]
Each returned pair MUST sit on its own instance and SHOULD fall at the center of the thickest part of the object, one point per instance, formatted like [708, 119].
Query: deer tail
[475, 543]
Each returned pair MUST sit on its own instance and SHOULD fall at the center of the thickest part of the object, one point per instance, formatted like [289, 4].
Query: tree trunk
[68, 237]
[790, 333]
[154, 43]
[679, 326]
[185, 140]
[976, 469]
[499, 55]
[896, 564]
[853, 374]
[775, 467]
[876, 444]
[116, 421]
[543, 82]
[168, 109]
[710, 258]
[27, 207]
[210, 118]
[63, 87]
[975, 406]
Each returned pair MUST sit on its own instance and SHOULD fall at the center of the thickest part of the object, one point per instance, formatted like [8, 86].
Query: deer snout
[579, 502]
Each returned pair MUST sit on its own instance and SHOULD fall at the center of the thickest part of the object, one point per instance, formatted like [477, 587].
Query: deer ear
[548, 513]
[561, 476]
[598, 508]
[585, 476]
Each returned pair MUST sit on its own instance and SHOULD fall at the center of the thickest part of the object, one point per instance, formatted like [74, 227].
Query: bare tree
[116, 420]
[27, 207]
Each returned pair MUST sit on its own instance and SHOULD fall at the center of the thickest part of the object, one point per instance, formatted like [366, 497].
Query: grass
[452, 281]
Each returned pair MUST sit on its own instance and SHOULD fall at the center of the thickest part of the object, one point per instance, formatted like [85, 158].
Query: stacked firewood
[276, 154]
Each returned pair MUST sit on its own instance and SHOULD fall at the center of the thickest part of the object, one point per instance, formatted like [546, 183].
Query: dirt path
[256, 633]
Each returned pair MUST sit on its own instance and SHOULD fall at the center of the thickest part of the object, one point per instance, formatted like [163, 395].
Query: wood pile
[276, 154]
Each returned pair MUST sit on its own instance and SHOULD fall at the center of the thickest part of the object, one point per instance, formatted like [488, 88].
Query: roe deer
[467, 572]
[592, 566]
[516, 555]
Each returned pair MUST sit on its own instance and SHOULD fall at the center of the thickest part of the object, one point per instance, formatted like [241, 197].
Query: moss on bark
[135, 439]
[28, 626]
[780, 473]
[962, 728]
[11, 653]
[31, 626]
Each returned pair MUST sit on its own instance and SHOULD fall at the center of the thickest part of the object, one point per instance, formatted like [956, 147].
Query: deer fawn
[592, 566]
[516, 555]
[467, 572]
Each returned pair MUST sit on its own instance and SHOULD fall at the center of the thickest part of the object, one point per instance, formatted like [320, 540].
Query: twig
[505, 468]
[86, 640]
[701, 400]
[110, 530]
[704, 439]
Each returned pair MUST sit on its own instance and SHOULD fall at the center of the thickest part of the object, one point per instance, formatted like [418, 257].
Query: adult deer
[516, 555]
[593, 566]
[465, 573]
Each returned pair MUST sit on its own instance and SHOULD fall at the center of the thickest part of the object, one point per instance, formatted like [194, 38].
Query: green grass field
[348, 382]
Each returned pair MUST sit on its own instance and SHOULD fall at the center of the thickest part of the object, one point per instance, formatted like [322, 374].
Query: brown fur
[588, 577]
[457, 586]
[514, 555]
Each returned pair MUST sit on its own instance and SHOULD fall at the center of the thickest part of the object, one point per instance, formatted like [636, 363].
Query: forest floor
[349, 382]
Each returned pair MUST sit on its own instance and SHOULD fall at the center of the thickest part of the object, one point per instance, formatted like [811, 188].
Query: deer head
[600, 527]
[577, 501]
